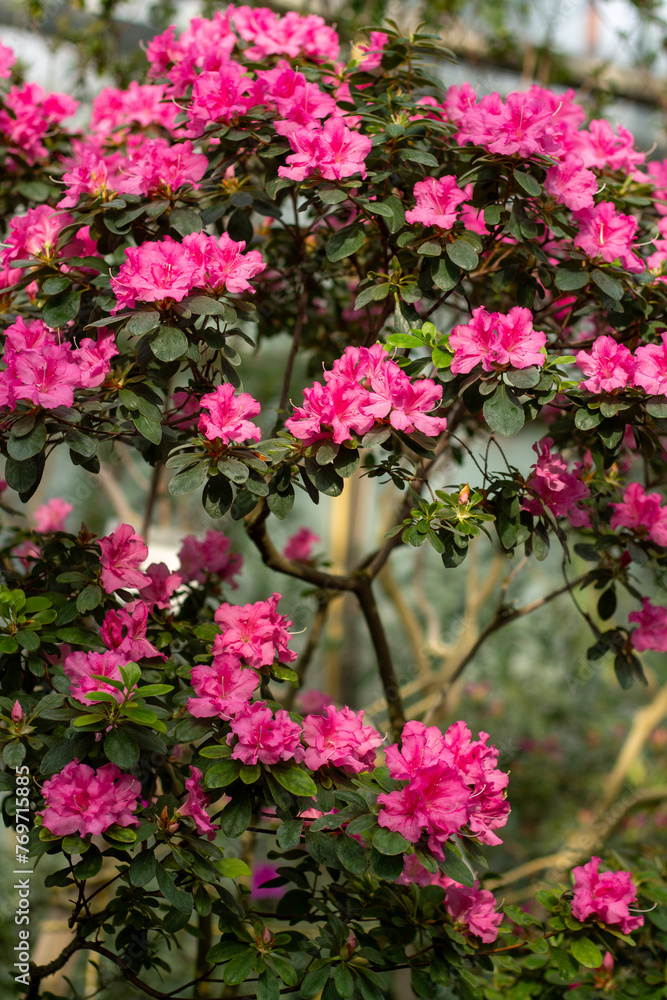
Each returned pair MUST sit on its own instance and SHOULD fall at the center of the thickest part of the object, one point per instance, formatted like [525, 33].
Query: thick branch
[385, 665]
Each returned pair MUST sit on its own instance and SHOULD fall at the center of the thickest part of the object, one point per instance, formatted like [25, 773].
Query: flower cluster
[227, 417]
[210, 556]
[85, 801]
[339, 738]
[651, 632]
[607, 896]
[260, 736]
[498, 341]
[643, 513]
[254, 632]
[45, 369]
[452, 783]
[610, 366]
[364, 388]
[553, 486]
[437, 200]
[29, 114]
[165, 271]
[195, 804]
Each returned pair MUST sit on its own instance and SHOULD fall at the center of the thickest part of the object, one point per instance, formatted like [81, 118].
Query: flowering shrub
[459, 268]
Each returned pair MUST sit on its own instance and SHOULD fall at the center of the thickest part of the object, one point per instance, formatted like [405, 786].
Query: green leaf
[524, 378]
[570, 281]
[236, 816]
[22, 448]
[234, 470]
[289, 834]
[149, 429]
[62, 308]
[345, 242]
[529, 184]
[233, 868]
[217, 496]
[455, 868]
[121, 749]
[89, 598]
[462, 253]
[28, 639]
[285, 969]
[169, 343]
[388, 842]
[223, 774]
[446, 275]
[387, 866]
[204, 305]
[21, 476]
[14, 753]
[268, 987]
[188, 479]
[239, 968]
[343, 981]
[585, 420]
[90, 864]
[314, 982]
[177, 897]
[609, 285]
[186, 221]
[143, 322]
[143, 868]
[503, 412]
[351, 854]
[294, 779]
[321, 847]
[586, 953]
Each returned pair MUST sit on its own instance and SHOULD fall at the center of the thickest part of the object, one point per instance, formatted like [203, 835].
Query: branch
[296, 343]
[385, 665]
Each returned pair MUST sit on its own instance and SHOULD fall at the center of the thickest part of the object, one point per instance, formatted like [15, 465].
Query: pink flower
[162, 168]
[211, 556]
[46, 377]
[154, 272]
[521, 124]
[609, 366]
[264, 738]
[642, 512]
[163, 584]
[498, 341]
[35, 234]
[255, 632]
[140, 104]
[452, 780]
[435, 800]
[221, 264]
[7, 60]
[607, 234]
[339, 738]
[93, 358]
[123, 551]
[299, 545]
[227, 416]
[557, 488]
[474, 910]
[570, 183]
[51, 516]
[221, 689]
[437, 200]
[607, 896]
[336, 407]
[600, 148]
[82, 669]
[652, 631]
[333, 151]
[84, 801]
[196, 804]
[218, 97]
[126, 633]
[372, 52]
[650, 371]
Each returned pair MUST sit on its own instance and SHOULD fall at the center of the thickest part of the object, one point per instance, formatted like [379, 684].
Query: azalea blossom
[652, 627]
[227, 415]
[255, 632]
[606, 896]
[51, 516]
[558, 489]
[609, 366]
[210, 556]
[607, 234]
[85, 801]
[339, 738]
[299, 545]
[196, 803]
[642, 512]
[221, 689]
[259, 736]
[650, 372]
[497, 341]
[437, 200]
[123, 551]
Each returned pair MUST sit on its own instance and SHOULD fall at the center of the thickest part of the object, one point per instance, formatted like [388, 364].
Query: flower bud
[18, 715]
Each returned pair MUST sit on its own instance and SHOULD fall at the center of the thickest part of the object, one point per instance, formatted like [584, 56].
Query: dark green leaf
[351, 854]
[387, 866]
[586, 953]
[121, 749]
[169, 343]
[143, 868]
[143, 322]
[345, 242]
[529, 184]
[462, 253]
[294, 779]
[185, 221]
[609, 285]
[22, 448]
[188, 479]
[503, 412]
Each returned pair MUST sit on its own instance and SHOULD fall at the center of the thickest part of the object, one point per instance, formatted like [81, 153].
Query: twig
[294, 347]
[383, 654]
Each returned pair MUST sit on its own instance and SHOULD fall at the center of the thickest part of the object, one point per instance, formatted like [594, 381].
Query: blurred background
[574, 742]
